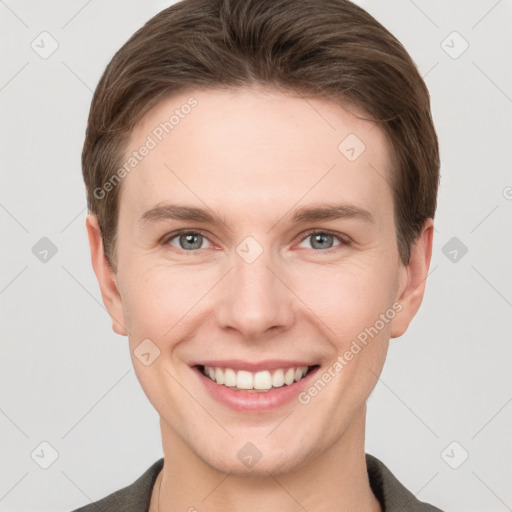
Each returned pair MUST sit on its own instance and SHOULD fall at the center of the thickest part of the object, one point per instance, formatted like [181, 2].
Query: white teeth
[261, 381]
[244, 380]
[219, 376]
[278, 379]
[230, 377]
[289, 376]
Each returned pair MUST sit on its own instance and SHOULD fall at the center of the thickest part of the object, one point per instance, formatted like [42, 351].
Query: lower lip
[255, 401]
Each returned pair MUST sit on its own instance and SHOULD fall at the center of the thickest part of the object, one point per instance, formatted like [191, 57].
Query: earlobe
[105, 276]
[415, 275]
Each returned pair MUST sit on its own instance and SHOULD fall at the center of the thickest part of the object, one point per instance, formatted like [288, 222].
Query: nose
[255, 298]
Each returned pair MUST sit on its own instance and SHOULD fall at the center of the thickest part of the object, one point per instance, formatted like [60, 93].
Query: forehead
[247, 145]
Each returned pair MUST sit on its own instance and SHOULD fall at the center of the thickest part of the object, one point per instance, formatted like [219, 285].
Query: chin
[255, 458]
[275, 463]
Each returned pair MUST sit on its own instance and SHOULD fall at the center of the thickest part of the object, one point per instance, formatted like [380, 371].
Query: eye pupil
[321, 239]
[189, 239]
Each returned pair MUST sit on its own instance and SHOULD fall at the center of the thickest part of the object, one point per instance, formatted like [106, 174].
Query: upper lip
[252, 366]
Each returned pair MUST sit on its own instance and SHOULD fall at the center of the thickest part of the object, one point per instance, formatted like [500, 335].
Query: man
[261, 179]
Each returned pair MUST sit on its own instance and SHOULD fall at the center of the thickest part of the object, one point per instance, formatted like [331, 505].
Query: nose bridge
[254, 299]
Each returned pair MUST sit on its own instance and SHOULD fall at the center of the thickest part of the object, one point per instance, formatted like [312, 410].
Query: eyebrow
[163, 212]
[330, 211]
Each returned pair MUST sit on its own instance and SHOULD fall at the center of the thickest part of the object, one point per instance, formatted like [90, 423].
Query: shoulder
[392, 495]
[132, 498]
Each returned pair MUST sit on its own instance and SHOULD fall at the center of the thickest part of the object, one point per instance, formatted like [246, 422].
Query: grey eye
[321, 240]
[188, 241]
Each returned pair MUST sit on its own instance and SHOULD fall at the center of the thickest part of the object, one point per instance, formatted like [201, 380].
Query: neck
[336, 479]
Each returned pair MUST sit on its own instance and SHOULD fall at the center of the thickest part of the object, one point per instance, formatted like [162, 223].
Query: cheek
[156, 300]
[348, 298]
[355, 306]
[159, 303]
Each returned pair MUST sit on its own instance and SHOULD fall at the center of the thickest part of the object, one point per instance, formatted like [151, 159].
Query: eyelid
[342, 238]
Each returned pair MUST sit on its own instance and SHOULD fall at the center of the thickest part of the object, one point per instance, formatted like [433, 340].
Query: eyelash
[343, 239]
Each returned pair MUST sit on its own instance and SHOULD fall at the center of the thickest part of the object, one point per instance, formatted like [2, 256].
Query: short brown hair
[329, 49]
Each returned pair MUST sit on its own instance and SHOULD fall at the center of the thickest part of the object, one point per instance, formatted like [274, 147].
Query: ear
[106, 276]
[413, 280]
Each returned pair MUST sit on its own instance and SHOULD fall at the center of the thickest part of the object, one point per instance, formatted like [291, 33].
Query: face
[257, 242]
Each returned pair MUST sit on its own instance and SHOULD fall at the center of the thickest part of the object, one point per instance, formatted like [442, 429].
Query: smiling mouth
[256, 382]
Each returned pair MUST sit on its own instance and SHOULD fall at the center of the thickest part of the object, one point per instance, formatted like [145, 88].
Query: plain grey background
[441, 415]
